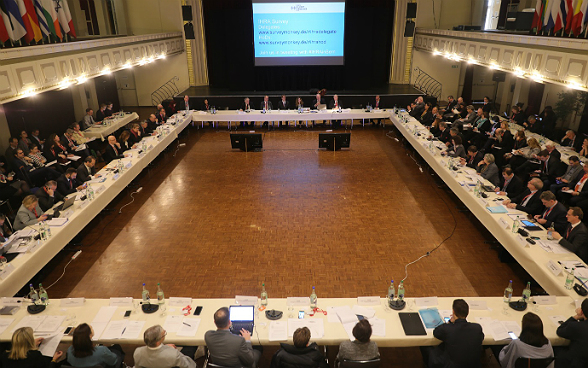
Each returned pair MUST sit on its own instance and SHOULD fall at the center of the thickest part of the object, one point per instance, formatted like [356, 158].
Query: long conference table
[107, 318]
[38, 254]
[231, 116]
[540, 260]
[110, 125]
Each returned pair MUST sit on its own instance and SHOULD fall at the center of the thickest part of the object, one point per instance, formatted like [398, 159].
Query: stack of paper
[498, 329]
[278, 331]
[101, 320]
[316, 327]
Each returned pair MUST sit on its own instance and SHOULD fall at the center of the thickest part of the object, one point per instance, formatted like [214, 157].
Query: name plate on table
[478, 305]
[504, 223]
[483, 202]
[298, 301]
[72, 302]
[368, 300]
[99, 189]
[179, 302]
[13, 302]
[426, 302]
[545, 299]
[116, 176]
[34, 246]
[454, 173]
[121, 302]
[554, 268]
[245, 300]
[522, 241]
[8, 268]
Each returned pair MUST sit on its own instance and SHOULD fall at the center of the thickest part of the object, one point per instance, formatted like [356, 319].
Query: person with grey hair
[570, 140]
[159, 355]
[529, 200]
[488, 169]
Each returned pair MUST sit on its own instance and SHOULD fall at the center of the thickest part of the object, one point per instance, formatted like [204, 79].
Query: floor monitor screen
[298, 33]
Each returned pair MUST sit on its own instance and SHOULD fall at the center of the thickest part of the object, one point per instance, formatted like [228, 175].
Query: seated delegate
[159, 355]
[302, 354]
[29, 213]
[83, 353]
[24, 352]
[574, 329]
[361, 348]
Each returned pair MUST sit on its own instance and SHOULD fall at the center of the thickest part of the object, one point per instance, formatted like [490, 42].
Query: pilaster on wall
[401, 46]
[196, 48]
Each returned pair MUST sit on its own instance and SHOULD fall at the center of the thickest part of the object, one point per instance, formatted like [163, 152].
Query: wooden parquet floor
[212, 222]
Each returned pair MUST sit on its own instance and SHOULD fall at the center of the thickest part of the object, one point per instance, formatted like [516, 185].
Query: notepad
[431, 317]
[497, 209]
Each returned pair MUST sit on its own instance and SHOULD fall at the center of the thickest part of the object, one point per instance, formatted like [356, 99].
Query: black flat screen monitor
[247, 142]
[334, 141]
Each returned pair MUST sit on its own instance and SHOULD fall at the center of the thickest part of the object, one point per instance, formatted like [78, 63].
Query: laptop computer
[321, 107]
[241, 317]
[68, 202]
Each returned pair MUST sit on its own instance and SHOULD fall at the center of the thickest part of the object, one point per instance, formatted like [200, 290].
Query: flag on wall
[15, 22]
[537, 17]
[585, 8]
[64, 16]
[578, 17]
[4, 36]
[570, 6]
[50, 15]
[560, 16]
[31, 22]
[41, 17]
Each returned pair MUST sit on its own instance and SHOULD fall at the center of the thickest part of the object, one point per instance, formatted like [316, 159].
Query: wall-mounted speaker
[187, 13]
[409, 29]
[411, 9]
[189, 31]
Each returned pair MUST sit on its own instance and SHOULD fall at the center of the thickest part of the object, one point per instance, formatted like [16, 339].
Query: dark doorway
[106, 91]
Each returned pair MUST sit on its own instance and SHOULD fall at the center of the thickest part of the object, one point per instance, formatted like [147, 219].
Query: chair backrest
[533, 363]
[373, 363]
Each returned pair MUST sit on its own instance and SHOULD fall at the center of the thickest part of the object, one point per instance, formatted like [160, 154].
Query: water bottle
[48, 231]
[145, 294]
[515, 225]
[508, 292]
[550, 233]
[476, 191]
[33, 295]
[43, 295]
[90, 193]
[401, 291]
[263, 296]
[42, 231]
[527, 293]
[160, 297]
[570, 279]
[479, 185]
[313, 298]
[391, 291]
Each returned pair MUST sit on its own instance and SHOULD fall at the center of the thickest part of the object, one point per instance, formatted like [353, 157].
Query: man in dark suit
[473, 157]
[443, 134]
[461, 341]
[283, 105]
[575, 329]
[579, 195]
[554, 214]
[575, 235]
[68, 142]
[101, 114]
[528, 201]
[246, 106]
[451, 102]
[152, 122]
[36, 140]
[266, 105]
[26, 171]
[135, 136]
[67, 183]
[185, 104]
[511, 186]
[573, 173]
[86, 171]
[571, 140]
[318, 101]
[113, 149]
[10, 153]
[48, 195]
[335, 104]
[161, 116]
[227, 349]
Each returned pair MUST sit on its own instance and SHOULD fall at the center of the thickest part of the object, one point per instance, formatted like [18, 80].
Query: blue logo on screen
[298, 7]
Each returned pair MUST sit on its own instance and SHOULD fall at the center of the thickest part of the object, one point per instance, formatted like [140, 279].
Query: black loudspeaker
[498, 77]
[187, 13]
[411, 9]
[189, 31]
[409, 29]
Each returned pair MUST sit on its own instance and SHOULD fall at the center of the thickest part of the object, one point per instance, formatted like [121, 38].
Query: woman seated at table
[520, 156]
[488, 169]
[24, 353]
[427, 117]
[519, 143]
[83, 353]
[55, 151]
[456, 149]
[361, 348]
[531, 344]
[584, 148]
[29, 213]
[434, 128]
[124, 140]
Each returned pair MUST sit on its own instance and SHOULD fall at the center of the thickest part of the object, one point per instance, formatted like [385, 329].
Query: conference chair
[372, 363]
[208, 364]
[533, 363]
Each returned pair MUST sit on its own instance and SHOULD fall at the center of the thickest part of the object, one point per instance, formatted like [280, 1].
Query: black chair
[373, 363]
[533, 363]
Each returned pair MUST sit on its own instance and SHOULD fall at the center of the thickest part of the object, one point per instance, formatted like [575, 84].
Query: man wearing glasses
[156, 354]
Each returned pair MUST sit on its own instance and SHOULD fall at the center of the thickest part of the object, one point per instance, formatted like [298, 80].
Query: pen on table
[123, 332]
[186, 324]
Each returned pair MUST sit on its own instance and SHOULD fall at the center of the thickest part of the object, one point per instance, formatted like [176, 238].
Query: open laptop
[68, 202]
[241, 317]
[321, 107]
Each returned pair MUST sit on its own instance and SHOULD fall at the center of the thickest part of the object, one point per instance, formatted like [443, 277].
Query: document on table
[553, 246]
[316, 326]
[345, 314]
[133, 330]
[49, 345]
[278, 331]
[349, 329]
[4, 323]
[557, 319]
[50, 324]
[580, 269]
[378, 326]
[57, 221]
[363, 311]
[332, 315]
[173, 323]
[499, 329]
[114, 329]
[29, 321]
[189, 327]
[104, 315]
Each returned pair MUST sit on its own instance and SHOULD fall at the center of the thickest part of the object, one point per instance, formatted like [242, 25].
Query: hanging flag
[585, 8]
[41, 17]
[570, 6]
[18, 27]
[559, 16]
[578, 16]
[4, 36]
[61, 16]
[51, 17]
[29, 17]
[537, 15]
[547, 12]
[64, 16]
[6, 20]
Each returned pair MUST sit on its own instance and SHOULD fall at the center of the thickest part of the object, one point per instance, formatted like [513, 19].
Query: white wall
[151, 76]
[153, 16]
[447, 14]
[447, 72]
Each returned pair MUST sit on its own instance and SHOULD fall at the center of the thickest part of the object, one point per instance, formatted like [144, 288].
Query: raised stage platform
[390, 95]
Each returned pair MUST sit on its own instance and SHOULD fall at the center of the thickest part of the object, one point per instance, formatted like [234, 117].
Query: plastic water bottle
[476, 191]
[401, 291]
[90, 193]
[313, 298]
[391, 291]
[508, 292]
[42, 231]
[145, 294]
[527, 293]
[33, 295]
[160, 296]
[570, 279]
[263, 296]
[43, 295]
[479, 185]
[515, 225]
[48, 231]
[550, 233]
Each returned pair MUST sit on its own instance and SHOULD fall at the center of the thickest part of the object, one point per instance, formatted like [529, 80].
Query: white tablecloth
[103, 130]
